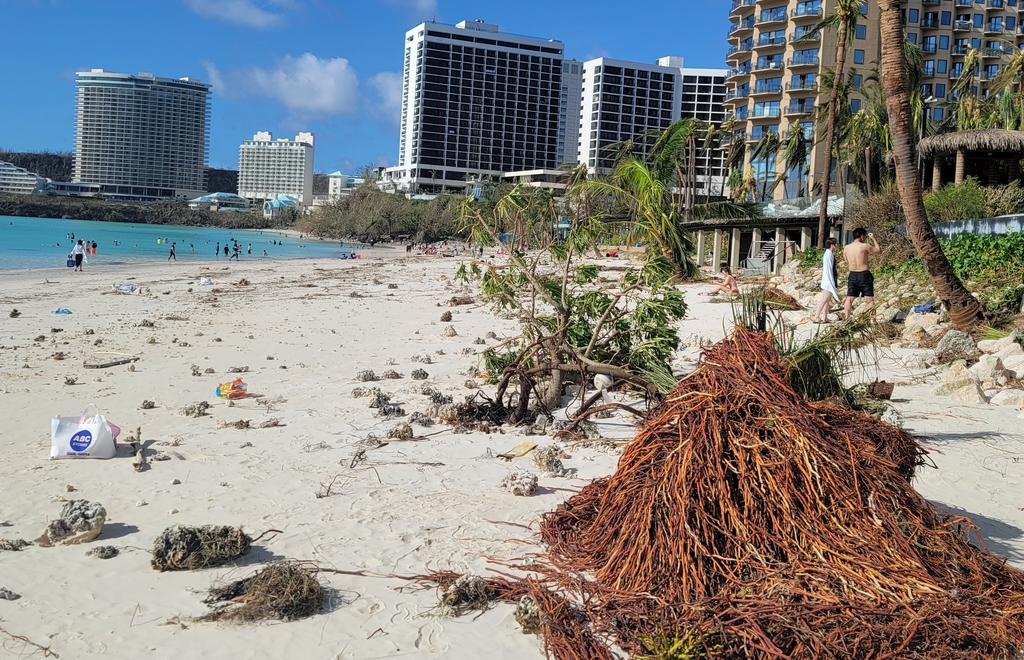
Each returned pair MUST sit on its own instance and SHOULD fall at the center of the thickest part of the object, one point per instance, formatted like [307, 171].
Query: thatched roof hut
[993, 154]
[995, 140]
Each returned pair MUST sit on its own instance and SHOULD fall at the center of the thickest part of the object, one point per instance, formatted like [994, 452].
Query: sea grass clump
[189, 548]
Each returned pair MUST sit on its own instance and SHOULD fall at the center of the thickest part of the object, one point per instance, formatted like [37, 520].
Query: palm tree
[794, 155]
[766, 150]
[967, 108]
[844, 22]
[964, 310]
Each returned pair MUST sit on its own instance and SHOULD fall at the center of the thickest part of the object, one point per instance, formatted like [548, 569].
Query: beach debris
[449, 331]
[188, 547]
[240, 424]
[70, 380]
[527, 615]
[98, 342]
[130, 368]
[390, 411]
[362, 392]
[439, 398]
[479, 341]
[59, 355]
[401, 432]
[175, 482]
[379, 399]
[464, 299]
[392, 286]
[209, 370]
[549, 460]
[14, 545]
[467, 350]
[236, 389]
[270, 357]
[56, 330]
[217, 339]
[520, 450]
[80, 521]
[391, 374]
[196, 371]
[103, 552]
[183, 344]
[467, 593]
[14, 313]
[139, 463]
[197, 409]
[159, 456]
[40, 338]
[148, 405]
[273, 422]
[366, 376]
[244, 445]
[520, 483]
[419, 374]
[491, 335]
[141, 503]
[151, 340]
[356, 294]
[420, 419]
[446, 317]
[7, 594]
[146, 323]
[238, 370]
[282, 591]
[424, 359]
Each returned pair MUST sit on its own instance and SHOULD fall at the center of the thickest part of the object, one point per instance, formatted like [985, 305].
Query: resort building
[220, 201]
[141, 138]
[627, 102]
[341, 185]
[776, 67]
[20, 181]
[476, 103]
[269, 168]
[277, 206]
[570, 111]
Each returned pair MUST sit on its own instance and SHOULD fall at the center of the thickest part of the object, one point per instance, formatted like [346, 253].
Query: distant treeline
[371, 215]
[166, 213]
[49, 165]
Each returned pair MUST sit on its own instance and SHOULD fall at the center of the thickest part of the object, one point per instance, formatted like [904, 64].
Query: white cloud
[249, 13]
[388, 86]
[309, 86]
[421, 9]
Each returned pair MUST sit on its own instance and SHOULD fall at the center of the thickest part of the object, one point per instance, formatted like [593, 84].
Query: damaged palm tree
[575, 324]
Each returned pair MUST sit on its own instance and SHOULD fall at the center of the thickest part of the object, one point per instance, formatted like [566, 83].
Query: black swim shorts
[78, 259]
[861, 283]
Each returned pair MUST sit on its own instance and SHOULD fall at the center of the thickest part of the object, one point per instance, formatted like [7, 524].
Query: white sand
[427, 504]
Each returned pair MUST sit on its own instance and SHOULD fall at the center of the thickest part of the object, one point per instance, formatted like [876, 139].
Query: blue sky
[328, 66]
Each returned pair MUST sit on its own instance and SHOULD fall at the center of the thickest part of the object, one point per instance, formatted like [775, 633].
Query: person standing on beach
[171, 255]
[250, 248]
[226, 250]
[828, 283]
[78, 252]
[216, 252]
[861, 282]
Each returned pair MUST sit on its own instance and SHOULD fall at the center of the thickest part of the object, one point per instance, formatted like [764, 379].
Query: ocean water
[46, 243]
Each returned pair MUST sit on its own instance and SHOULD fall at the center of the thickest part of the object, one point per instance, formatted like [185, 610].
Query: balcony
[930, 2]
[798, 110]
[960, 49]
[801, 86]
[928, 47]
[765, 113]
[770, 41]
[736, 73]
[994, 4]
[780, 17]
[930, 23]
[993, 52]
[770, 65]
[742, 26]
[739, 4]
[767, 89]
[733, 94]
[809, 37]
[802, 11]
[805, 60]
[963, 26]
[994, 28]
[757, 135]
[963, 3]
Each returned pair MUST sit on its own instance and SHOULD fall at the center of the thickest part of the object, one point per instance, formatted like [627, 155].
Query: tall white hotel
[268, 168]
[477, 103]
[141, 138]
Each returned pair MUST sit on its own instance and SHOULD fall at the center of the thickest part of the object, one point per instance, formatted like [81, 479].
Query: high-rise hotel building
[629, 101]
[269, 168]
[476, 103]
[141, 138]
[774, 81]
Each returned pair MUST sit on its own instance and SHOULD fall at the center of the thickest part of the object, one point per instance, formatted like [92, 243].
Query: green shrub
[1004, 200]
[952, 203]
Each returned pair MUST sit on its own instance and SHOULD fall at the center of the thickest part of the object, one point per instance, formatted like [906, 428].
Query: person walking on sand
[828, 283]
[78, 252]
[861, 283]
[172, 255]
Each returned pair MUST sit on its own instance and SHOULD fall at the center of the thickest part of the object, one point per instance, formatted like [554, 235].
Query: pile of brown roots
[282, 591]
[189, 548]
[745, 522]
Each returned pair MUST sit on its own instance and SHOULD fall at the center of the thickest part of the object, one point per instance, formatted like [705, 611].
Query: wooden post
[936, 173]
[734, 250]
[805, 238]
[716, 251]
[755, 244]
[961, 167]
[780, 249]
[701, 247]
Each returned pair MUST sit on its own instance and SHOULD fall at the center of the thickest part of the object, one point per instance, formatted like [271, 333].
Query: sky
[285, 66]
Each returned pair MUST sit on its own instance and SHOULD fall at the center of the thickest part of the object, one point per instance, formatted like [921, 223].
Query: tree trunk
[936, 173]
[964, 310]
[867, 168]
[961, 167]
[830, 134]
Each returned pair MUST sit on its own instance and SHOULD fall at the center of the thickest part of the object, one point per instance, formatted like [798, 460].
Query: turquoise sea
[46, 242]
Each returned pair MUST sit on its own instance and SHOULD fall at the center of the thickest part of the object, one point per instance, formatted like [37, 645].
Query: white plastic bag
[88, 435]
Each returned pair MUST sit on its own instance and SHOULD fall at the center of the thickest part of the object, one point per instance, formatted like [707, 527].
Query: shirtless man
[861, 282]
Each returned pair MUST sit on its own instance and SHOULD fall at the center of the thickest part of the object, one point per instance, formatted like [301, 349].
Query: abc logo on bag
[81, 441]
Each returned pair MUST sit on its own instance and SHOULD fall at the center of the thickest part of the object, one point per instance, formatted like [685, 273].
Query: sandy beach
[304, 329]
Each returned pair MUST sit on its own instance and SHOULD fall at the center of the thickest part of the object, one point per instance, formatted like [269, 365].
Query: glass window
[937, 114]
[857, 81]
[858, 56]
[862, 32]
[943, 42]
[940, 90]
[913, 15]
[855, 105]
[978, 20]
[912, 38]
[1010, 22]
[941, 66]
[946, 18]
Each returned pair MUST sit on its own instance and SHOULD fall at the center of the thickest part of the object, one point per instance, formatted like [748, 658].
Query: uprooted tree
[575, 324]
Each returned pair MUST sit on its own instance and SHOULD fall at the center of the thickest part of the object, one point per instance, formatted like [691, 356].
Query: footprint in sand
[405, 612]
[427, 638]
